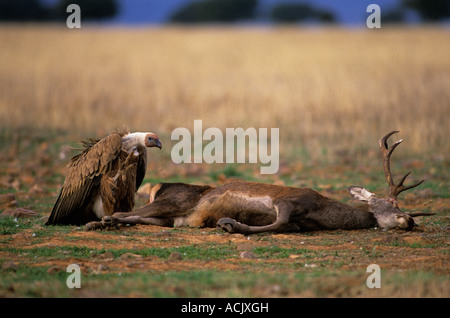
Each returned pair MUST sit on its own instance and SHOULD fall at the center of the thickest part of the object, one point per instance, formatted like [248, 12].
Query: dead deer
[250, 207]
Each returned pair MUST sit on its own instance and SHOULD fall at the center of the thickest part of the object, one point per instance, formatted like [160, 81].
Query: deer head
[386, 210]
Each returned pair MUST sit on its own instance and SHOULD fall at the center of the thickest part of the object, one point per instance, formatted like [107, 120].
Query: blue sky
[350, 12]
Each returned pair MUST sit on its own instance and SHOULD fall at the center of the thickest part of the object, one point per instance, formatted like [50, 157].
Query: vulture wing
[83, 179]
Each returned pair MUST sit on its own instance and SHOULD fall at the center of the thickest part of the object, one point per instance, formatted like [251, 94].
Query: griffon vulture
[103, 178]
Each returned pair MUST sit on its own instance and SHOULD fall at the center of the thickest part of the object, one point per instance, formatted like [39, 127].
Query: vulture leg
[114, 222]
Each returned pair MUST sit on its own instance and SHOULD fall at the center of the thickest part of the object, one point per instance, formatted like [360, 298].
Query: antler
[394, 189]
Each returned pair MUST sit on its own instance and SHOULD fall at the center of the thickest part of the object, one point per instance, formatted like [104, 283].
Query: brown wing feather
[132, 172]
[83, 179]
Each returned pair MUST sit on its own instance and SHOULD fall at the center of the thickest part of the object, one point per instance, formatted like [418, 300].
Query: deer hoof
[227, 224]
[92, 226]
[108, 221]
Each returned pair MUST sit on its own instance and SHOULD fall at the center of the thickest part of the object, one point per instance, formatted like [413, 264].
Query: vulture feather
[103, 178]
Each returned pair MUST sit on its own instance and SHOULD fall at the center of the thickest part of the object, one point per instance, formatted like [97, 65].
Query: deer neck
[344, 216]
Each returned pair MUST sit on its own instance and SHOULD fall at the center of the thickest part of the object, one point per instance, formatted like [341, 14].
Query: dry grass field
[335, 89]
[331, 92]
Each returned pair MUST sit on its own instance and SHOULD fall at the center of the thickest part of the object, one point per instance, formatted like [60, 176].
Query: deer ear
[360, 193]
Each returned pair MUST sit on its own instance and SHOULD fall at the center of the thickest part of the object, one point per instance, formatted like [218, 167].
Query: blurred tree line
[215, 11]
[297, 12]
[434, 10]
[200, 11]
[210, 11]
[235, 10]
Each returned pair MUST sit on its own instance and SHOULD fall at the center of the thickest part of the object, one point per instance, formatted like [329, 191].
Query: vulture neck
[133, 140]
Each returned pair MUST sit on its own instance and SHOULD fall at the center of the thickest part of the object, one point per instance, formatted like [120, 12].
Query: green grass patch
[205, 251]
[280, 252]
[63, 252]
[38, 282]
[10, 225]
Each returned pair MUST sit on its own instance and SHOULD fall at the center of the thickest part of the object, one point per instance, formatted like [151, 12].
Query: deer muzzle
[405, 222]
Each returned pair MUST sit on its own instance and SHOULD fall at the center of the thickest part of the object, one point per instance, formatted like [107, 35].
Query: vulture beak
[158, 144]
[152, 140]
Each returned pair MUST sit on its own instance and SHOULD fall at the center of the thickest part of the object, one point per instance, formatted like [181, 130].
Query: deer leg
[109, 221]
[283, 209]
[113, 221]
[158, 209]
[95, 225]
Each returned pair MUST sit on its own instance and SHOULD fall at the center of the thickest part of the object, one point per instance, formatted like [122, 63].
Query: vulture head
[146, 139]
[152, 140]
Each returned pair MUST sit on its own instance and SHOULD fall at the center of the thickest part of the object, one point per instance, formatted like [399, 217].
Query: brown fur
[255, 207]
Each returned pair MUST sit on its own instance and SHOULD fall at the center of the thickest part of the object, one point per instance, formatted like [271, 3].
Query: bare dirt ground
[424, 248]
[415, 263]
[341, 253]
